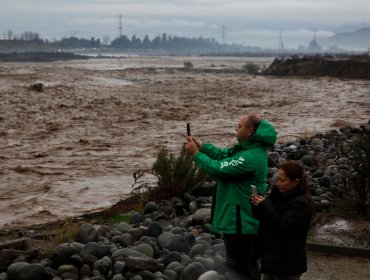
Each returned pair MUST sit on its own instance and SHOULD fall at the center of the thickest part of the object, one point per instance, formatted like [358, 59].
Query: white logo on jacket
[234, 162]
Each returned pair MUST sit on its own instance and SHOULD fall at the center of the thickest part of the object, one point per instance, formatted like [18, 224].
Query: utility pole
[120, 26]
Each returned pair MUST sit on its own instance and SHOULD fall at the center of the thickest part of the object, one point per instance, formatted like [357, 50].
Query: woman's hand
[256, 199]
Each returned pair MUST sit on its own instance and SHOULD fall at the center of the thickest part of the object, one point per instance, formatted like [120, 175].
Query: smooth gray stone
[136, 218]
[197, 249]
[104, 265]
[87, 233]
[122, 227]
[275, 156]
[177, 230]
[209, 275]
[124, 253]
[136, 233]
[199, 215]
[173, 265]
[70, 276]
[143, 263]
[171, 257]
[220, 248]
[316, 142]
[154, 229]
[208, 263]
[4, 276]
[125, 240]
[145, 249]
[118, 277]
[185, 260]
[178, 243]
[193, 207]
[31, 272]
[307, 160]
[193, 271]
[171, 274]
[119, 267]
[12, 269]
[164, 238]
[95, 249]
[150, 207]
[67, 268]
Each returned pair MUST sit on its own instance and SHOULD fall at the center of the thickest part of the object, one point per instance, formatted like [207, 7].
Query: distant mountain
[359, 39]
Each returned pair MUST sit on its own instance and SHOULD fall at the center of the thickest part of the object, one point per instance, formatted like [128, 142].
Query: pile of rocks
[326, 160]
[174, 240]
[155, 245]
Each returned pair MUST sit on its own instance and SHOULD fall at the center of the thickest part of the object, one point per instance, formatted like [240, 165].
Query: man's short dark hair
[253, 121]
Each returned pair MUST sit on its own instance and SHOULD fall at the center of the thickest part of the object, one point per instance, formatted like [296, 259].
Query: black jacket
[284, 222]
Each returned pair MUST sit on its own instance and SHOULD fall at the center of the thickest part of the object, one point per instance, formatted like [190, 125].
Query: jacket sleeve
[224, 168]
[214, 152]
[295, 216]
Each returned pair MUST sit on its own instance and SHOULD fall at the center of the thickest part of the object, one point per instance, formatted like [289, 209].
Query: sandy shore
[73, 148]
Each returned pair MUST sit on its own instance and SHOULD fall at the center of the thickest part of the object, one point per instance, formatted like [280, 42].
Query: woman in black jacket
[285, 218]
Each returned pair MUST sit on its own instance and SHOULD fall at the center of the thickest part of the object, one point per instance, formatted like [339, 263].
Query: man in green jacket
[236, 169]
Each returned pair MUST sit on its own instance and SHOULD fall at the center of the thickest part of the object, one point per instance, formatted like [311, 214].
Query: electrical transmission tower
[223, 30]
[281, 43]
[120, 26]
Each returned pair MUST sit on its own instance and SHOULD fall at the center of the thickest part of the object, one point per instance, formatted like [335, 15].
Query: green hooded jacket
[236, 169]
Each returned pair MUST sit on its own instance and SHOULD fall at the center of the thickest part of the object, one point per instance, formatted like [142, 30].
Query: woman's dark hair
[294, 171]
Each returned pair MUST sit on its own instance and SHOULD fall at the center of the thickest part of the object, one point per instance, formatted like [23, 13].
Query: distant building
[313, 46]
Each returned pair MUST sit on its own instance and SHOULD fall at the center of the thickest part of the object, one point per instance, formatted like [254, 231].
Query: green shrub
[359, 154]
[175, 175]
[188, 64]
[253, 68]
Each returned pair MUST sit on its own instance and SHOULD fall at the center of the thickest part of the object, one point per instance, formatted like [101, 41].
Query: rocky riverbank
[173, 240]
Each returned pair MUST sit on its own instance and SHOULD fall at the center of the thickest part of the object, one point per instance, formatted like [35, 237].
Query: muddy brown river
[73, 148]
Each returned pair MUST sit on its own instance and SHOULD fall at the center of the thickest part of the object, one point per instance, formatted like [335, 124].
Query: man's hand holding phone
[192, 145]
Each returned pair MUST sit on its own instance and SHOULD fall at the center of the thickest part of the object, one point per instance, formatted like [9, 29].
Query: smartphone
[188, 129]
[254, 190]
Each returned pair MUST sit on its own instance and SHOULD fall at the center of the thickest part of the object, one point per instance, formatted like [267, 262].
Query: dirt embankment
[320, 66]
[39, 57]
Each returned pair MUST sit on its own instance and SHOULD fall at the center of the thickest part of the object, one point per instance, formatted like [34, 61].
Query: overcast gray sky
[249, 22]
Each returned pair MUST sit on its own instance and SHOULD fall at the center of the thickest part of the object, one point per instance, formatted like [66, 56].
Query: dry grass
[303, 135]
[65, 231]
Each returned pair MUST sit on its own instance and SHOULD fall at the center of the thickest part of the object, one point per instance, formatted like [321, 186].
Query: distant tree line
[163, 42]
[73, 42]
[26, 36]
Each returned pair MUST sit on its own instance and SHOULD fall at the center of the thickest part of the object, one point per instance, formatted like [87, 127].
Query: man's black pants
[241, 255]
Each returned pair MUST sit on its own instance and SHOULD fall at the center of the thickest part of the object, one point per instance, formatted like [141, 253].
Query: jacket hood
[265, 134]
